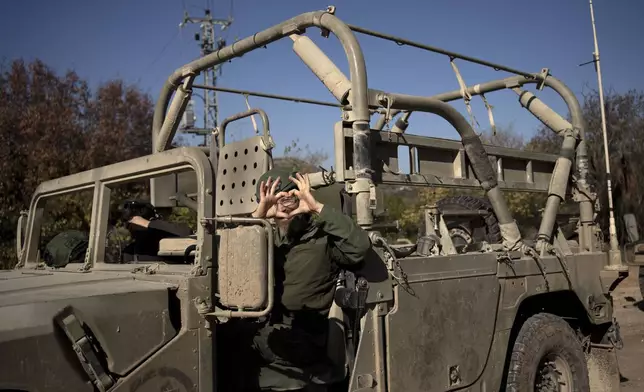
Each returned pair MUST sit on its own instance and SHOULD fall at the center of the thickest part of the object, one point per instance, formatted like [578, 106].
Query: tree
[52, 126]
[300, 159]
[504, 137]
[625, 130]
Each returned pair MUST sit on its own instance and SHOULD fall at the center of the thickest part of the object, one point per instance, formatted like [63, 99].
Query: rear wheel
[547, 356]
[466, 230]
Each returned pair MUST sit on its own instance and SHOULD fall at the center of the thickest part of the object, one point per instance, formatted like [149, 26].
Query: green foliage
[184, 215]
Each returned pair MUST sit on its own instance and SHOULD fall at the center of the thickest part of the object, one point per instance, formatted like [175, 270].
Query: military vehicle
[478, 315]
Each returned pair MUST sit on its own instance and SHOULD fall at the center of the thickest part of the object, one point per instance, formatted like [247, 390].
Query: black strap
[84, 349]
[345, 202]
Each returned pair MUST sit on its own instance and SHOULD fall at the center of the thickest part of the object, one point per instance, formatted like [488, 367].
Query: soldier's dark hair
[131, 208]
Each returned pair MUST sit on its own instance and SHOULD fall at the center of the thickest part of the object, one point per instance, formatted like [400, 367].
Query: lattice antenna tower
[209, 42]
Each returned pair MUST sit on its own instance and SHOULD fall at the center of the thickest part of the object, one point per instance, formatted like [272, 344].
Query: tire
[546, 352]
[460, 229]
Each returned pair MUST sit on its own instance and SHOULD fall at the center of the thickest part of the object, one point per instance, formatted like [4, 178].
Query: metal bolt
[380, 295]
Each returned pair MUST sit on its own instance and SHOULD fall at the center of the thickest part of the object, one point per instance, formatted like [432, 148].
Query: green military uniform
[307, 258]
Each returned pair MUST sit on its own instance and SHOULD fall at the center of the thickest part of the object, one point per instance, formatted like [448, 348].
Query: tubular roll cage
[359, 99]
[357, 103]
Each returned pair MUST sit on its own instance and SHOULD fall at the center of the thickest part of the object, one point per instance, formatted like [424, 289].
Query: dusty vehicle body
[431, 318]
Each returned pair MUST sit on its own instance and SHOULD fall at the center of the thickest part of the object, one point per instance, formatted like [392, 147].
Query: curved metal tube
[322, 19]
[239, 116]
[359, 98]
[557, 190]
[481, 165]
[586, 208]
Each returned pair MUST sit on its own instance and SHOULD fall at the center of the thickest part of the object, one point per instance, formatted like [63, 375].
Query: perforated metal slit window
[240, 166]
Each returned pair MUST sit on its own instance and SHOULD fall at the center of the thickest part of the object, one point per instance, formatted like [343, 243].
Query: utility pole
[614, 261]
[209, 42]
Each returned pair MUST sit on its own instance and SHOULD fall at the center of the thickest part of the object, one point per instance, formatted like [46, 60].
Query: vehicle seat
[176, 246]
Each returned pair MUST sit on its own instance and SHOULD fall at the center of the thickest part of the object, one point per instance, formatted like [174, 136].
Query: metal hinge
[84, 349]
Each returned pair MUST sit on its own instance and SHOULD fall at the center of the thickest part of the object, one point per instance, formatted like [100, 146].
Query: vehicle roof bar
[324, 20]
[402, 41]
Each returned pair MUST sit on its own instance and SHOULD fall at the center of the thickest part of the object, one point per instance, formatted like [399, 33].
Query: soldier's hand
[268, 199]
[137, 220]
[308, 204]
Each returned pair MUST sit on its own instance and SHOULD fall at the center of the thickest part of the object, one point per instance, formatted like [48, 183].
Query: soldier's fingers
[296, 182]
[304, 181]
[274, 187]
[262, 190]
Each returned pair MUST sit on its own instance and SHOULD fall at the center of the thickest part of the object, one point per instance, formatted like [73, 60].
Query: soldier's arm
[161, 226]
[169, 228]
[350, 243]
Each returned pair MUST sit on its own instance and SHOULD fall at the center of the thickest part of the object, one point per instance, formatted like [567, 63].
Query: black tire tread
[528, 348]
[493, 230]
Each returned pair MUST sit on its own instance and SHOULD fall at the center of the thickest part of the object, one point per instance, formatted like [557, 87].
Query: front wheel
[547, 357]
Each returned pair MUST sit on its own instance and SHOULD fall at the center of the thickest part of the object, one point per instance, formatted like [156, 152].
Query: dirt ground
[629, 311]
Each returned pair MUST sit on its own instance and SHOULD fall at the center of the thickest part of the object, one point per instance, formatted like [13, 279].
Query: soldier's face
[287, 204]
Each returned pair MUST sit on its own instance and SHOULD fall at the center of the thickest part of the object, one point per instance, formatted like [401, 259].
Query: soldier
[147, 229]
[312, 240]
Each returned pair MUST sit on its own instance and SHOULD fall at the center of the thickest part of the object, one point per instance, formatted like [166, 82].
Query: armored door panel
[440, 335]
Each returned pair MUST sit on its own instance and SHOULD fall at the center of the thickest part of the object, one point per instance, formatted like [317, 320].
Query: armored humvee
[477, 314]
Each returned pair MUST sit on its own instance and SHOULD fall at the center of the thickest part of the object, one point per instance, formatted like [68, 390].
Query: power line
[165, 47]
